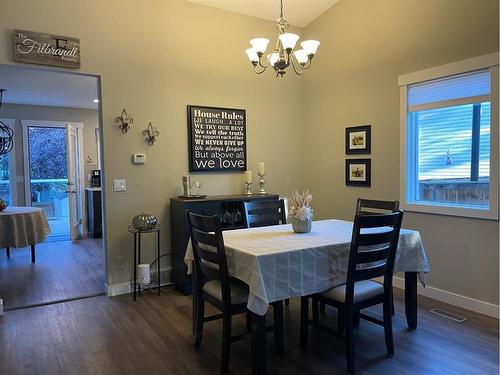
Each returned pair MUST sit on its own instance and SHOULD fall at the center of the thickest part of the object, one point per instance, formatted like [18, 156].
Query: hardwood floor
[62, 270]
[153, 336]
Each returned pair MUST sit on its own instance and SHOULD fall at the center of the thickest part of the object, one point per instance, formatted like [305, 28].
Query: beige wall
[365, 46]
[89, 118]
[155, 57]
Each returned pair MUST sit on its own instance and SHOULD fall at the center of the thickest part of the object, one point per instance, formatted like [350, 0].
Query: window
[449, 159]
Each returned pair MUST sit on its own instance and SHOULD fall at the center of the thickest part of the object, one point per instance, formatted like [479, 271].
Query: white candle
[262, 168]
[248, 177]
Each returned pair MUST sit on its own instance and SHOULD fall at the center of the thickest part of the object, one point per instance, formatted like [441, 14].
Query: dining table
[277, 264]
[22, 227]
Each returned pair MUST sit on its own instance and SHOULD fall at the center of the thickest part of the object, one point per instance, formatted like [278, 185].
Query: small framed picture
[358, 172]
[358, 140]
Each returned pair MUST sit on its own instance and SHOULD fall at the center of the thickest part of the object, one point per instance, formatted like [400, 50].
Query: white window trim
[490, 61]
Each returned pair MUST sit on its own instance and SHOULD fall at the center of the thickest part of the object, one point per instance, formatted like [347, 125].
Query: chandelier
[283, 54]
[6, 134]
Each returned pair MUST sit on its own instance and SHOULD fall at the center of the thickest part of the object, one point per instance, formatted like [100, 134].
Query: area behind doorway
[55, 118]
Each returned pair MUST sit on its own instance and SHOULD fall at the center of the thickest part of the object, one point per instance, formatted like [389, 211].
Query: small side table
[137, 253]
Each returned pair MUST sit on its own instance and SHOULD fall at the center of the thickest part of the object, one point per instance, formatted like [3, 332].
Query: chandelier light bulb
[310, 46]
[252, 55]
[259, 44]
[288, 41]
[301, 56]
[273, 58]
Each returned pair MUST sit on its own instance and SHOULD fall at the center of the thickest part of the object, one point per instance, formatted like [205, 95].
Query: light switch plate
[119, 184]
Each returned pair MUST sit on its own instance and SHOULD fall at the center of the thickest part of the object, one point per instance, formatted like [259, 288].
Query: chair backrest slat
[209, 252]
[370, 239]
[370, 272]
[375, 207]
[373, 249]
[265, 213]
[370, 256]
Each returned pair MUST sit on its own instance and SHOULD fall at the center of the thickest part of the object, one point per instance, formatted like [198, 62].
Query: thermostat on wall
[139, 158]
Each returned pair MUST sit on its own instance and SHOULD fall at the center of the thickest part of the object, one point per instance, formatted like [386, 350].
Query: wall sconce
[151, 133]
[124, 121]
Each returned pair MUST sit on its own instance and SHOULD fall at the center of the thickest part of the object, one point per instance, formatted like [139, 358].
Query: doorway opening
[53, 171]
[56, 120]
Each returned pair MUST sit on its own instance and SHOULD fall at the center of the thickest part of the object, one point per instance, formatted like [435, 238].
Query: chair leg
[200, 314]
[32, 253]
[248, 321]
[315, 311]
[278, 326]
[340, 320]
[7, 250]
[304, 318]
[389, 343]
[356, 320]
[226, 343]
[322, 307]
[393, 311]
[349, 347]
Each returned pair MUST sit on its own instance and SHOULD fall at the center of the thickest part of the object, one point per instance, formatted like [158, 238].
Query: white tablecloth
[22, 226]
[277, 263]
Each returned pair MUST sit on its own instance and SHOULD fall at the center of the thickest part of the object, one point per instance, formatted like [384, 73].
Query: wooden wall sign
[217, 139]
[46, 49]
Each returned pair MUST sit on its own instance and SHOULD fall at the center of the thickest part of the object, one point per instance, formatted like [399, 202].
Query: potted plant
[300, 211]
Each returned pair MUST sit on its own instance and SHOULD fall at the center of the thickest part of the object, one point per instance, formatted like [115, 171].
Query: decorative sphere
[144, 221]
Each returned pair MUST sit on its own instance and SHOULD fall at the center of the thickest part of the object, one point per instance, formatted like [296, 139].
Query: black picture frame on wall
[358, 140]
[358, 172]
[217, 139]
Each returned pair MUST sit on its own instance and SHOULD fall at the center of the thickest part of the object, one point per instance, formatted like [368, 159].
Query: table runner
[277, 263]
[22, 226]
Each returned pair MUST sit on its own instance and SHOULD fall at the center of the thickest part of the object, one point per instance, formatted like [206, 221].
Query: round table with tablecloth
[22, 227]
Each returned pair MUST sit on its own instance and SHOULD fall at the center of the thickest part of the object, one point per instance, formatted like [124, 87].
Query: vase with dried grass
[300, 211]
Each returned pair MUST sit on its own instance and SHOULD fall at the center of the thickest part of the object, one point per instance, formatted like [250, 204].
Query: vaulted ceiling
[298, 12]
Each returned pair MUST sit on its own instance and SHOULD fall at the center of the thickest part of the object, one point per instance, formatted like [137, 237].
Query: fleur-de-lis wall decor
[151, 133]
[124, 121]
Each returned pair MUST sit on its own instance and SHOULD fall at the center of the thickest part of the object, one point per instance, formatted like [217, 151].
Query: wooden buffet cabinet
[228, 207]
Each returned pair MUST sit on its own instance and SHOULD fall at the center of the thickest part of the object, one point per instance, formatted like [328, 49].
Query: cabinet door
[204, 208]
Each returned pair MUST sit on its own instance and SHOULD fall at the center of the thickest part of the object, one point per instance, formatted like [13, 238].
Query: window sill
[436, 209]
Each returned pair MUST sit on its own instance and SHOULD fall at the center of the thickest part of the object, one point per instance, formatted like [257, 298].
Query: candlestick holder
[249, 188]
[262, 184]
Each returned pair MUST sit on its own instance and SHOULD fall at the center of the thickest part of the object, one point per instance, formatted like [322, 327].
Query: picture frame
[358, 172]
[217, 139]
[358, 140]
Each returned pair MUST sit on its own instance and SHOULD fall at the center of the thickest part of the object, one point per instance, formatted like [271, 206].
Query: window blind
[452, 88]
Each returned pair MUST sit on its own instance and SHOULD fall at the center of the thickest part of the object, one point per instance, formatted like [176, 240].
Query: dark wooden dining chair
[213, 284]
[372, 254]
[265, 213]
[373, 207]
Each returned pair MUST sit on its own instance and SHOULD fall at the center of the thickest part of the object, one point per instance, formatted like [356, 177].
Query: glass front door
[48, 177]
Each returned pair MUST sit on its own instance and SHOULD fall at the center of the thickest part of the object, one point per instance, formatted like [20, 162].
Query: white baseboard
[125, 288]
[118, 289]
[454, 299]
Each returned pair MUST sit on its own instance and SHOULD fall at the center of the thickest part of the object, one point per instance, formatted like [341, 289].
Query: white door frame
[51, 124]
[11, 123]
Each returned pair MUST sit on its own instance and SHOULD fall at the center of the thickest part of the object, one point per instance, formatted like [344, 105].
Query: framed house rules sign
[217, 139]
